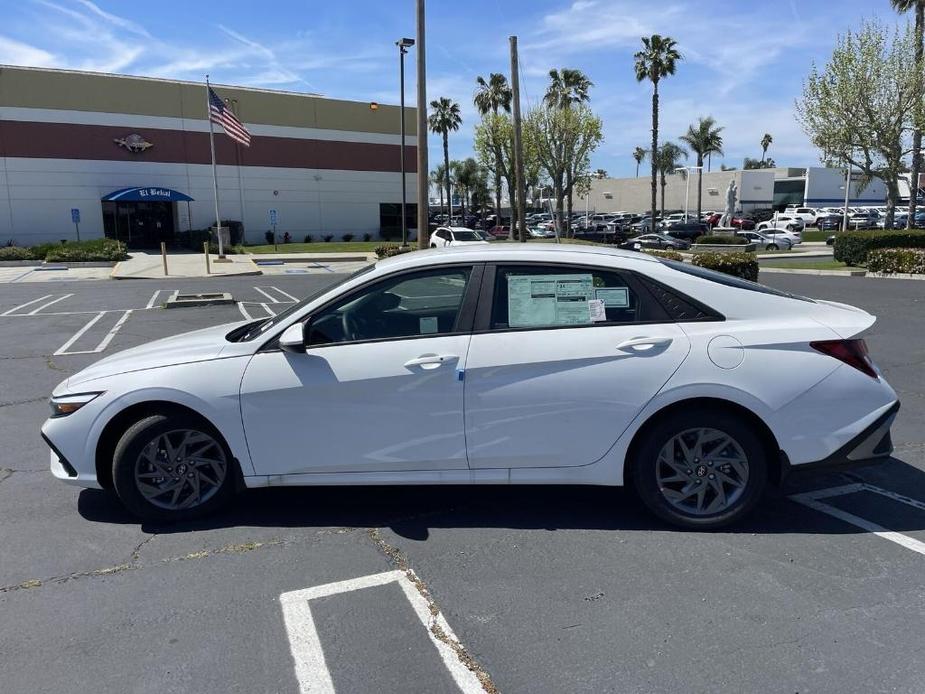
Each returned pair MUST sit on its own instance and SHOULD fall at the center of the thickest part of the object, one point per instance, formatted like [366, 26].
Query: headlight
[64, 405]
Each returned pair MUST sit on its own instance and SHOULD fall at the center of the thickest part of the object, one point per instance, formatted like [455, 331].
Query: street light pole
[423, 178]
[844, 219]
[403, 46]
[687, 189]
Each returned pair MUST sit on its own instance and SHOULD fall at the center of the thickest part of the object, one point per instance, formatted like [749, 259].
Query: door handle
[431, 361]
[643, 344]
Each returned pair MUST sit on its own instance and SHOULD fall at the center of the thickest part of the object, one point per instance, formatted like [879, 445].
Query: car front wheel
[773, 247]
[700, 470]
[171, 467]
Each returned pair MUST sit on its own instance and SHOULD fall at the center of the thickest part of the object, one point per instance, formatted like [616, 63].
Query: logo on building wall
[134, 143]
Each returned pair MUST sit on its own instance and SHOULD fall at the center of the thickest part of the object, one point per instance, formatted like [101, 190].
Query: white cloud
[14, 52]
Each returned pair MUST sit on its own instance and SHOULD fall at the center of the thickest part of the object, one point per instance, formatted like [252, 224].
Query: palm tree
[444, 118]
[666, 161]
[600, 173]
[703, 140]
[919, 6]
[438, 178]
[656, 61]
[491, 96]
[466, 173]
[639, 154]
[765, 143]
[567, 87]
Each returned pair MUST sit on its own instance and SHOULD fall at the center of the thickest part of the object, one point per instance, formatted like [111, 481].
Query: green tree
[600, 173]
[438, 179]
[765, 143]
[667, 160]
[859, 109]
[491, 97]
[657, 60]
[750, 163]
[919, 120]
[703, 140]
[562, 140]
[467, 174]
[567, 87]
[443, 119]
[639, 154]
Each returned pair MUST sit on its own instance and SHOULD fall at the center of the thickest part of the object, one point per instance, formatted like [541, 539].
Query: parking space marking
[268, 309]
[28, 303]
[53, 301]
[63, 350]
[286, 294]
[244, 312]
[269, 296]
[311, 670]
[812, 500]
[153, 298]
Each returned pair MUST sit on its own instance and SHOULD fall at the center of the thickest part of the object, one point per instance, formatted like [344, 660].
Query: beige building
[131, 155]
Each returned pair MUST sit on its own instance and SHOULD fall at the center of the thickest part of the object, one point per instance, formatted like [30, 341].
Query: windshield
[262, 327]
[465, 236]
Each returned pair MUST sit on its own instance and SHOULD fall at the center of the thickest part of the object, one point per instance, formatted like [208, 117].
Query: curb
[184, 277]
[20, 263]
[804, 271]
[894, 276]
[267, 258]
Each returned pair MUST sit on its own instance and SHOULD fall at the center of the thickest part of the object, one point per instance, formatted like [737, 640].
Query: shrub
[387, 250]
[667, 255]
[889, 260]
[229, 250]
[93, 250]
[308, 238]
[327, 238]
[723, 240]
[17, 253]
[347, 238]
[743, 265]
[367, 237]
[852, 247]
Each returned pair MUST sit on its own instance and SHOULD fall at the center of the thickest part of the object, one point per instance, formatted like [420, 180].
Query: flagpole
[218, 221]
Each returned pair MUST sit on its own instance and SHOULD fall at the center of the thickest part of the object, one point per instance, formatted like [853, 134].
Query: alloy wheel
[702, 471]
[180, 469]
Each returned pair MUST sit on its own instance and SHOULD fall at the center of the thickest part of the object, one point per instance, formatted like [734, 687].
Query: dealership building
[129, 158]
[757, 189]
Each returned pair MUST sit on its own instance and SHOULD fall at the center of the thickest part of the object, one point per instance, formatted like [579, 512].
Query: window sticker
[613, 297]
[598, 312]
[549, 300]
[428, 325]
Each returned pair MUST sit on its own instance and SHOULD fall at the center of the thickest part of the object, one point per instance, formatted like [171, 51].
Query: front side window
[410, 305]
[550, 296]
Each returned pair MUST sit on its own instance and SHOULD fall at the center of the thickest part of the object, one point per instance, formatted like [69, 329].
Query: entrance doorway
[139, 224]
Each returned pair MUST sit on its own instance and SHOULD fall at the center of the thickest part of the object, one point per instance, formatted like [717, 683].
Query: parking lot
[445, 589]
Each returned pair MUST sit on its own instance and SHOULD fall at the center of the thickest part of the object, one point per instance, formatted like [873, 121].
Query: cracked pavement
[548, 589]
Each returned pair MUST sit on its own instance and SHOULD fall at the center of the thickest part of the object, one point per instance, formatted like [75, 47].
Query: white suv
[807, 214]
[783, 221]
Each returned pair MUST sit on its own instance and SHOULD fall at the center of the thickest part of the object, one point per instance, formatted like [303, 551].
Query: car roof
[457, 229]
[543, 252]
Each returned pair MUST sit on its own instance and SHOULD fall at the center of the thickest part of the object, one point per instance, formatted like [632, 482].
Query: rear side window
[551, 296]
[728, 280]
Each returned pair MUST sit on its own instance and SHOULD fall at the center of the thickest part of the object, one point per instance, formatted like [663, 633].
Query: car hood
[199, 345]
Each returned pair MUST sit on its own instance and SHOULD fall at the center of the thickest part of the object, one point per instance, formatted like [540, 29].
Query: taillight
[852, 352]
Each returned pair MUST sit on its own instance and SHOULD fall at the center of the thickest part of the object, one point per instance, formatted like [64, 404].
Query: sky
[743, 60]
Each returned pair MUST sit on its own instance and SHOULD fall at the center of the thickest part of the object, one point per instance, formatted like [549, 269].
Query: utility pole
[518, 147]
[844, 218]
[423, 177]
[403, 46]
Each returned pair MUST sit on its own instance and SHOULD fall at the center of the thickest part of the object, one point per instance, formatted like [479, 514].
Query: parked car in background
[862, 220]
[794, 238]
[765, 243]
[738, 220]
[501, 232]
[807, 214]
[644, 225]
[829, 222]
[454, 236]
[687, 230]
[484, 235]
[656, 241]
[783, 221]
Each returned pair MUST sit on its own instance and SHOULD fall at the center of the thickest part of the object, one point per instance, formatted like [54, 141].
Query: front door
[378, 388]
[567, 359]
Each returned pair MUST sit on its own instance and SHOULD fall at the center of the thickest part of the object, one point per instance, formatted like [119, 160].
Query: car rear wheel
[773, 247]
[172, 467]
[700, 470]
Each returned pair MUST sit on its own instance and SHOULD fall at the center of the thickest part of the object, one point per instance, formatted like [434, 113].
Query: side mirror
[293, 339]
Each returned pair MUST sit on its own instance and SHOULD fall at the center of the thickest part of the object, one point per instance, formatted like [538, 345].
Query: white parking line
[28, 303]
[244, 312]
[812, 500]
[311, 669]
[269, 296]
[290, 296]
[153, 298]
[268, 309]
[63, 350]
[53, 301]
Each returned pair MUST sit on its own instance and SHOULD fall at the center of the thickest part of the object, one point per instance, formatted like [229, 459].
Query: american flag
[221, 114]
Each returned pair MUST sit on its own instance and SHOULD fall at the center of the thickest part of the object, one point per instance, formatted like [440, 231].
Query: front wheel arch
[120, 423]
[771, 446]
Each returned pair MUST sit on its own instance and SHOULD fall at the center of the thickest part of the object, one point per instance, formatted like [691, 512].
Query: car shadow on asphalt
[411, 511]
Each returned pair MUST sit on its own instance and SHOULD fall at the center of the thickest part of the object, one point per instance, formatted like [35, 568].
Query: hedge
[743, 265]
[72, 251]
[667, 255]
[389, 249]
[890, 260]
[852, 247]
[723, 240]
[17, 253]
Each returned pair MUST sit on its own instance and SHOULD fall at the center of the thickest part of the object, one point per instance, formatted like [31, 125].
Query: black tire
[127, 458]
[433, 245]
[773, 247]
[646, 467]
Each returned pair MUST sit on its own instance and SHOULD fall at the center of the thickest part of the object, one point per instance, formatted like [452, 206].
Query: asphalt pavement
[425, 589]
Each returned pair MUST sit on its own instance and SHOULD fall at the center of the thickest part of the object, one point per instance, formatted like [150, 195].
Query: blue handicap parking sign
[75, 215]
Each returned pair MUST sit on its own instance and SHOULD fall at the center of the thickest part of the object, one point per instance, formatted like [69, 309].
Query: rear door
[563, 358]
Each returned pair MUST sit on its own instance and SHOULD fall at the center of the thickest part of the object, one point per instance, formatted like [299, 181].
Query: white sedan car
[454, 236]
[502, 365]
[767, 242]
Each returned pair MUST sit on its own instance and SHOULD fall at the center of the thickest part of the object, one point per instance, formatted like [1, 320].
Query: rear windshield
[728, 280]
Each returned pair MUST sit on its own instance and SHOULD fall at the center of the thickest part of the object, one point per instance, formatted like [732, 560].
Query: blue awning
[146, 195]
